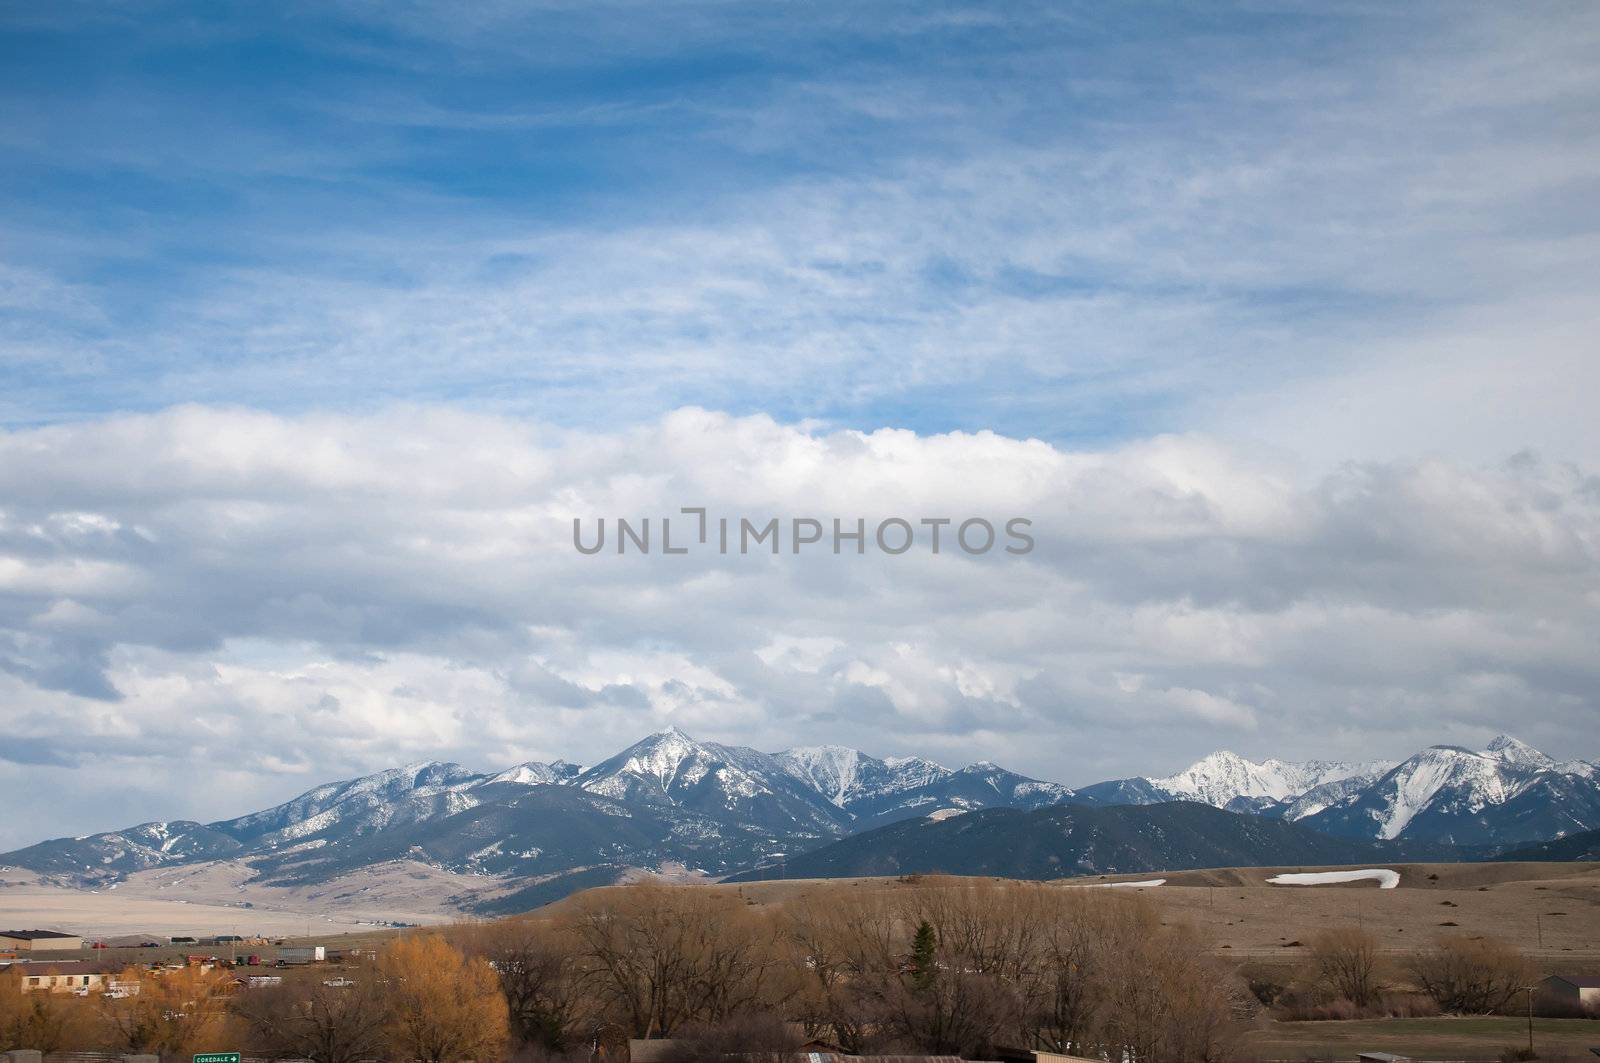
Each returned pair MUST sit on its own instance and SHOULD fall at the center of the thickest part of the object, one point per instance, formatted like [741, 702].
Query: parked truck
[296, 955]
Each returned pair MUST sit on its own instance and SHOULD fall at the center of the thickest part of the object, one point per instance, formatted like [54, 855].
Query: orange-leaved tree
[172, 1013]
[445, 1007]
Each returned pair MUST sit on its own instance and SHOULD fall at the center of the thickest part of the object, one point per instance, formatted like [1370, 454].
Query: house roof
[34, 935]
[1574, 980]
[35, 970]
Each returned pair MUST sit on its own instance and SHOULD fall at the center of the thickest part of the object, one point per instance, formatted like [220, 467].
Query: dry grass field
[223, 898]
[1475, 1038]
[1550, 910]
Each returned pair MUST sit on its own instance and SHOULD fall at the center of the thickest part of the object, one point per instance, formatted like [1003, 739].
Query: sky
[320, 323]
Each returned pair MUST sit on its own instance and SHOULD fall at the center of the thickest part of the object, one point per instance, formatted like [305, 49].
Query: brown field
[1551, 910]
[1474, 1038]
[223, 897]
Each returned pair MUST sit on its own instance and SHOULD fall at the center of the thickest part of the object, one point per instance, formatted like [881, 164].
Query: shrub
[1346, 962]
[1470, 976]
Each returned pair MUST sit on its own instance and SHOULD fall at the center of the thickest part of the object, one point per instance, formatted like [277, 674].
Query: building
[39, 941]
[71, 976]
[1570, 989]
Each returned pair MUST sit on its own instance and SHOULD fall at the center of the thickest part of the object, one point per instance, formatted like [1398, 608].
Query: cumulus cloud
[291, 599]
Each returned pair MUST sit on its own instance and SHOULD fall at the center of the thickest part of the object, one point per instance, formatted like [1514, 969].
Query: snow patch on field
[1140, 884]
[1386, 879]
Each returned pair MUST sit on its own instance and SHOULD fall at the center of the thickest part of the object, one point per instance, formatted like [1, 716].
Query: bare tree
[1471, 976]
[323, 1024]
[658, 958]
[1083, 935]
[1346, 961]
[954, 1012]
[840, 945]
[1166, 1003]
[537, 964]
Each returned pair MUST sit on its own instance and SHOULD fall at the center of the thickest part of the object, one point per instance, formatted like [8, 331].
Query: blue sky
[1082, 222]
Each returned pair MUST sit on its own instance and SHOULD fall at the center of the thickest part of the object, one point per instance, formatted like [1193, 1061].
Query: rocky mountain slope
[665, 799]
[1071, 840]
[1585, 846]
[717, 809]
[1504, 794]
[1507, 793]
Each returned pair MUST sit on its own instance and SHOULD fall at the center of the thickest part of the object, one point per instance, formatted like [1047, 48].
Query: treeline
[1346, 976]
[952, 967]
[945, 966]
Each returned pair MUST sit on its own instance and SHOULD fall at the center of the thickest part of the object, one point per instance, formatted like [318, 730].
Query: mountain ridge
[719, 809]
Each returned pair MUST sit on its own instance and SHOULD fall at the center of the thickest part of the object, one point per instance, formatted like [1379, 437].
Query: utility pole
[1529, 990]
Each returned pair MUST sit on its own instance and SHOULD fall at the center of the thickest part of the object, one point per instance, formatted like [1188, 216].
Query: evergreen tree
[924, 961]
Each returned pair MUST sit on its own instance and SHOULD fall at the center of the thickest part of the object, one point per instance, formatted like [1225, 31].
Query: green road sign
[217, 1057]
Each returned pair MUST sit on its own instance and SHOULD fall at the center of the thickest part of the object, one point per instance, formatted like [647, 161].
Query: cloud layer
[269, 601]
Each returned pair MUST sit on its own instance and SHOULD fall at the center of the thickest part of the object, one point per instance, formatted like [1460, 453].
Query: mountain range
[543, 829]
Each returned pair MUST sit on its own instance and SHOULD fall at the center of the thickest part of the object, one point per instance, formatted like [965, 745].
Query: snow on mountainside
[874, 791]
[533, 773]
[724, 782]
[833, 771]
[671, 798]
[848, 777]
[1505, 793]
[1325, 795]
[1513, 751]
[117, 853]
[1480, 779]
[1223, 777]
[359, 806]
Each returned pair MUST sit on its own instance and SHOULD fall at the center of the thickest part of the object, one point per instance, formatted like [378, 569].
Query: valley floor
[220, 898]
[1551, 910]
[1453, 1038]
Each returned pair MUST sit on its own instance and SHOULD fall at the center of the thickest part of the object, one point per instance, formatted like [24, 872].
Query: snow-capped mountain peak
[836, 772]
[1224, 776]
[669, 756]
[722, 782]
[535, 773]
[1225, 779]
[1516, 752]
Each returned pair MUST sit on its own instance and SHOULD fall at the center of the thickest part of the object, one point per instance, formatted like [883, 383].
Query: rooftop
[34, 970]
[34, 935]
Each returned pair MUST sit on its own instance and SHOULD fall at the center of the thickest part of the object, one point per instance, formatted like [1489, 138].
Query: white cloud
[300, 598]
